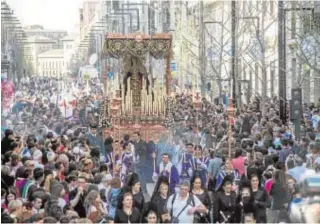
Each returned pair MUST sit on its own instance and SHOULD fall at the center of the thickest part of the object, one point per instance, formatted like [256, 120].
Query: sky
[52, 14]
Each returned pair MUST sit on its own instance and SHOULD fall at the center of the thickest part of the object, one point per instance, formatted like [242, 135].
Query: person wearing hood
[57, 191]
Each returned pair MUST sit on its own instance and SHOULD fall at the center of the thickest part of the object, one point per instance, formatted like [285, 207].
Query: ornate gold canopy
[139, 45]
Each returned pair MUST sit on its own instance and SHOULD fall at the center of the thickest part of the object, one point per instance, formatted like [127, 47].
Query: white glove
[154, 176]
[190, 172]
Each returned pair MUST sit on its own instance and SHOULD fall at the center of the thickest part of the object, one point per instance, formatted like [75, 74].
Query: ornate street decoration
[116, 48]
[139, 49]
[159, 48]
[138, 45]
[135, 105]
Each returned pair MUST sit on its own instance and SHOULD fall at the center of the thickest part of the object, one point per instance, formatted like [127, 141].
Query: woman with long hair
[225, 203]
[161, 193]
[152, 217]
[10, 196]
[94, 207]
[135, 188]
[279, 195]
[203, 196]
[126, 213]
[245, 202]
[150, 214]
[261, 199]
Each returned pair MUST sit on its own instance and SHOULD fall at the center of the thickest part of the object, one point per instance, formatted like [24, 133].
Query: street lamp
[282, 44]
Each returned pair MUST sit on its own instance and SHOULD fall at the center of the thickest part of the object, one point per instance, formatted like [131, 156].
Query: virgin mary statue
[135, 70]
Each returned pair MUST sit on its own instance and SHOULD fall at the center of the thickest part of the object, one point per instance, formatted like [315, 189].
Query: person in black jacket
[125, 212]
[280, 196]
[246, 203]
[203, 196]
[225, 203]
[261, 199]
[161, 193]
[6, 141]
[134, 187]
[140, 152]
[108, 145]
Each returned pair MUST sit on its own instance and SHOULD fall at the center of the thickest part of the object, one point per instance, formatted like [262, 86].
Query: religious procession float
[137, 103]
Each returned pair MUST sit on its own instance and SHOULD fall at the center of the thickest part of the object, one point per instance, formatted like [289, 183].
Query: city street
[149, 111]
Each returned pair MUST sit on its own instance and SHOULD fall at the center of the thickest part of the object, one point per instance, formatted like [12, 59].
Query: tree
[253, 49]
[304, 45]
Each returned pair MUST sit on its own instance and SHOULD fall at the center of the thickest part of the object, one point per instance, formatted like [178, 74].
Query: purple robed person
[167, 169]
[186, 166]
[199, 166]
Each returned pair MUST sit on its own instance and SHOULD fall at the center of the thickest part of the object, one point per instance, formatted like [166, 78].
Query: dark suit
[140, 151]
[96, 141]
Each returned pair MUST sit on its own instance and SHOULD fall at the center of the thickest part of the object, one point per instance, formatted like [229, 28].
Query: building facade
[87, 14]
[34, 46]
[12, 45]
[68, 53]
[37, 30]
[52, 63]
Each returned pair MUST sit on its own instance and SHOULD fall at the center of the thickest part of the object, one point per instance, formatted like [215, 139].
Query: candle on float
[131, 105]
[122, 98]
[158, 99]
[141, 101]
[159, 102]
[147, 103]
[126, 104]
[145, 99]
[150, 104]
[164, 105]
[129, 101]
[144, 95]
[129, 85]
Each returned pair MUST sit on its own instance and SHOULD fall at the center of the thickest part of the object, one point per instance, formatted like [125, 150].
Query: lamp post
[231, 113]
[233, 49]
[282, 45]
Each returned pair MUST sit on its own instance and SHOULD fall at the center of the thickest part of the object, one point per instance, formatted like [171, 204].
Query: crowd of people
[57, 168]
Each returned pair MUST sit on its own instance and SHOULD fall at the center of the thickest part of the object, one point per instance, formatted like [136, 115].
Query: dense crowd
[56, 166]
